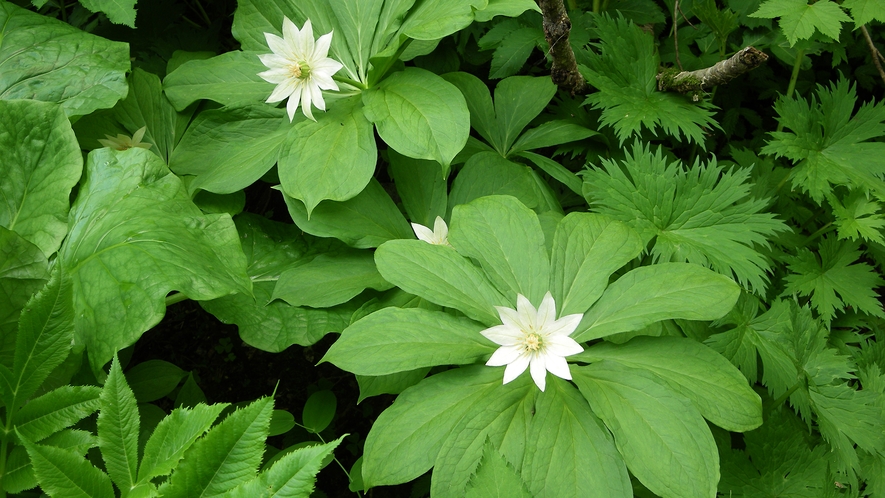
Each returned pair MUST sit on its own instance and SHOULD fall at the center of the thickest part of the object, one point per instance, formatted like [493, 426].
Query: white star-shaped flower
[299, 67]
[530, 336]
[438, 236]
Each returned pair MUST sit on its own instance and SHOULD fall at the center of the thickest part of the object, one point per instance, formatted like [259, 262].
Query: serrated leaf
[864, 11]
[799, 19]
[118, 425]
[41, 163]
[226, 457]
[858, 217]
[514, 50]
[56, 410]
[393, 340]
[49, 60]
[173, 436]
[495, 477]
[847, 417]
[24, 270]
[118, 11]
[66, 473]
[124, 261]
[292, 476]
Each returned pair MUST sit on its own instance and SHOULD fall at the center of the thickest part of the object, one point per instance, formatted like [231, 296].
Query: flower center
[299, 70]
[532, 342]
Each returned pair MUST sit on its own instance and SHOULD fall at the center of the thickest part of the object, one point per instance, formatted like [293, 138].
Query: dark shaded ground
[229, 370]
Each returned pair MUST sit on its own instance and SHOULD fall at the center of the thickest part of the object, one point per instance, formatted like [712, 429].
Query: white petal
[321, 50]
[422, 232]
[280, 93]
[275, 76]
[322, 81]
[565, 325]
[302, 45]
[504, 335]
[539, 371]
[290, 30]
[560, 345]
[316, 97]
[558, 367]
[517, 367]
[326, 67]
[546, 311]
[440, 228]
[139, 134]
[292, 105]
[527, 313]
[274, 61]
[511, 317]
[504, 356]
[277, 45]
[305, 102]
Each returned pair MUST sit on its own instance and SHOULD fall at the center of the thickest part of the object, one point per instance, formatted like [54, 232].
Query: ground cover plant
[442, 248]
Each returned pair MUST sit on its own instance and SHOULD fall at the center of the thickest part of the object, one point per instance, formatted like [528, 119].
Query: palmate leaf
[828, 145]
[865, 11]
[624, 72]
[858, 216]
[835, 279]
[703, 214]
[799, 19]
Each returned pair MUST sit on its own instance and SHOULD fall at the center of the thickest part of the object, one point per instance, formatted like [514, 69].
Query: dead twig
[557, 25]
[720, 73]
[874, 52]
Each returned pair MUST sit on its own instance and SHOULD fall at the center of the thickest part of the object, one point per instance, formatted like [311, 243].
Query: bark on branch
[720, 73]
[557, 25]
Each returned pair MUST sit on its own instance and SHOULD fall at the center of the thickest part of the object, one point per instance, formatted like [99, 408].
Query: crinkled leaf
[23, 271]
[118, 11]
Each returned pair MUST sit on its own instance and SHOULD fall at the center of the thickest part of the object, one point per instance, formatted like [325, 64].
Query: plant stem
[203, 13]
[821, 231]
[4, 447]
[175, 298]
[597, 4]
[64, 11]
[783, 397]
[390, 62]
[349, 81]
[795, 76]
[336, 460]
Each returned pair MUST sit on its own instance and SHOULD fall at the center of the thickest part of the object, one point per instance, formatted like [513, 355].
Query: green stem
[4, 447]
[175, 298]
[203, 13]
[597, 5]
[64, 10]
[572, 4]
[349, 480]
[822, 230]
[391, 61]
[795, 76]
[351, 82]
[783, 397]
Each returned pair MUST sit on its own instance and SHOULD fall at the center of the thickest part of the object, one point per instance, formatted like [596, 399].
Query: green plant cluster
[721, 255]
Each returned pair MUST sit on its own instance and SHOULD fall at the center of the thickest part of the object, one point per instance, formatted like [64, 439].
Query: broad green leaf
[519, 100]
[495, 477]
[118, 11]
[434, 19]
[230, 78]
[394, 383]
[650, 294]
[420, 186]
[394, 340]
[662, 437]
[332, 158]
[715, 387]
[358, 21]
[329, 279]
[514, 50]
[41, 164]
[505, 237]
[798, 18]
[442, 276]
[189, 396]
[123, 261]
[367, 220]
[563, 437]
[407, 436]
[173, 436]
[151, 380]
[230, 148]
[270, 249]
[291, 476]
[864, 11]
[487, 173]
[587, 250]
[479, 103]
[49, 60]
[66, 473]
[118, 425]
[45, 331]
[319, 409]
[24, 270]
[56, 410]
[419, 114]
[549, 134]
[509, 8]
[226, 457]
[281, 422]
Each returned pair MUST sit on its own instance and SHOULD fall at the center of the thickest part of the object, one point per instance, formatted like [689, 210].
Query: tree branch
[720, 73]
[874, 52]
[557, 25]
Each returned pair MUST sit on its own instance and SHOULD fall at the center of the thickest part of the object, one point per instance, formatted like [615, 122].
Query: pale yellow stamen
[532, 342]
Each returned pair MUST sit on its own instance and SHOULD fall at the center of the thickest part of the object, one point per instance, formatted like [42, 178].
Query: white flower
[533, 337]
[299, 67]
[123, 142]
[438, 236]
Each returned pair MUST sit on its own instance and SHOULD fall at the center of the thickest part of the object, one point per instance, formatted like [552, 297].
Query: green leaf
[420, 115]
[662, 437]
[153, 379]
[45, 332]
[858, 217]
[226, 457]
[703, 214]
[485, 230]
[624, 72]
[405, 439]
[799, 19]
[487, 173]
[650, 294]
[41, 163]
[714, 386]
[358, 21]
[549, 134]
[49, 60]
[514, 50]
[864, 11]
[508, 8]
[291, 476]
[394, 383]
[340, 276]
[434, 19]
[479, 103]
[118, 429]
[173, 436]
[837, 271]
[442, 276]
[270, 249]
[828, 144]
[230, 78]
[555, 170]
[420, 186]
[519, 100]
[124, 261]
[319, 409]
[56, 410]
[367, 220]
[66, 473]
[587, 250]
[281, 422]
[495, 477]
[331, 158]
[24, 270]
[230, 148]
[847, 417]
[395, 340]
[19, 475]
[118, 11]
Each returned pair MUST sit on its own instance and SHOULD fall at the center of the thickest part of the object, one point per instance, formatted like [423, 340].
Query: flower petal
[422, 232]
[510, 316]
[292, 105]
[316, 97]
[565, 325]
[546, 311]
[504, 356]
[539, 371]
[562, 346]
[277, 45]
[504, 335]
[516, 367]
[305, 102]
[558, 367]
[321, 49]
[303, 44]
